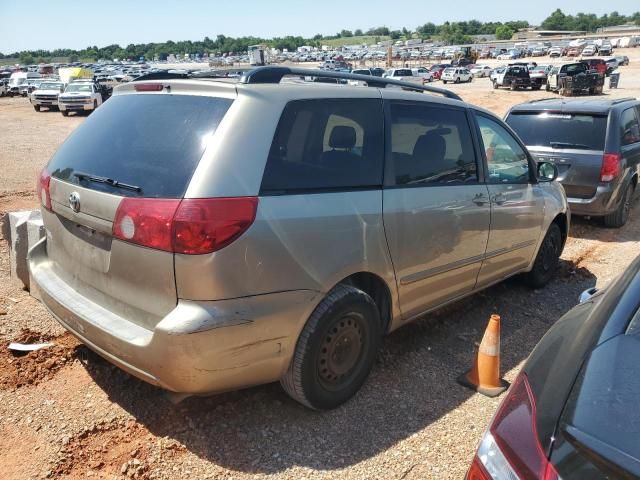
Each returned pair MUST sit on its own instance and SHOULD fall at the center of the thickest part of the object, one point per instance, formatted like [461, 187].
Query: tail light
[510, 449]
[190, 226]
[42, 189]
[610, 166]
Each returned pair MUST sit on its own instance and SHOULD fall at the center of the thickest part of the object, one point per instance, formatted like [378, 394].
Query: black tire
[470, 78]
[457, 80]
[335, 351]
[547, 258]
[64, 113]
[36, 108]
[495, 84]
[547, 87]
[513, 86]
[444, 81]
[620, 216]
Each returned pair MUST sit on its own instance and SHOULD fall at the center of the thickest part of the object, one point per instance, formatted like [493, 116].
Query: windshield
[50, 86]
[545, 129]
[79, 87]
[17, 81]
[152, 141]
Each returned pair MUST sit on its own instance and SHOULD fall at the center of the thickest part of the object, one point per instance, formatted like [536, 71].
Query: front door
[517, 204]
[436, 211]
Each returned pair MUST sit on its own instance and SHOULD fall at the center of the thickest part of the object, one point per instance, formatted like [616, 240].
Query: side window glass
[506, 160]
[326, 144]
[629, 128]
[430, 145]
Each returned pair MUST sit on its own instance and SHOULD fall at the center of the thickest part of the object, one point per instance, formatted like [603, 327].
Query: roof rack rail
[544, 99]
[620, 100]
[275, 74]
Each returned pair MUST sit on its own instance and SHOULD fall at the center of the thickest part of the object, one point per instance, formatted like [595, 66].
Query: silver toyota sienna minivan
[206, 235]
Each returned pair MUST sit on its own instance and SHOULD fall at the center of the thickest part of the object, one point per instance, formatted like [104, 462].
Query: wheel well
[377, 289]
[561, 221]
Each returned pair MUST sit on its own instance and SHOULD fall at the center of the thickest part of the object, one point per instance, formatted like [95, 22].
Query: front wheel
[547, 258]
[444, 81]
[64, 113]
[335, 351]
[457, 80]
[495, 85]
[36, 108]
[620, 216]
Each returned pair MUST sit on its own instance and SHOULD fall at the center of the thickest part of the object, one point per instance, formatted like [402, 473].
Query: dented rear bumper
[199, 347]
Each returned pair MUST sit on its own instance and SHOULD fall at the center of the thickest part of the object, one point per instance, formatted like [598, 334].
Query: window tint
[326, 144]
[565, 130]
[430, 145]
[152, 141]
[629, 128]
[506, 160]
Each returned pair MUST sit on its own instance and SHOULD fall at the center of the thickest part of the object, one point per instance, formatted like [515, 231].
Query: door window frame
[389, 180]
[533, 180]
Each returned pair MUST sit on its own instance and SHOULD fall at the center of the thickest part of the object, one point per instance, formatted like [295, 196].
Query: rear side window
[152, 141]
[430, 145]
[560, 130]
[629, 128]
[326, 144]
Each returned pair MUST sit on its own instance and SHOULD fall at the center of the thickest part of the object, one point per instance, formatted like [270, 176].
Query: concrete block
[19, 245]
[35, 232]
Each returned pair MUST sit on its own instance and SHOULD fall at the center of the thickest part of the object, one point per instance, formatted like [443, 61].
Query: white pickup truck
[46, 95]
[79, 96]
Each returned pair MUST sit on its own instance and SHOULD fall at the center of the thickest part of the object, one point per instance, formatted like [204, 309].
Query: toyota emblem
[74, 201]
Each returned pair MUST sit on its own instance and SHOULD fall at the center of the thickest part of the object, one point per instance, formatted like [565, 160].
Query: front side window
[629, 128]
[430, 145]
[506, 160]
[326, 144]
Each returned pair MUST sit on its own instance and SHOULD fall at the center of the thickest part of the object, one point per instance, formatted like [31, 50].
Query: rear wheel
[547, 258]
[470, 78]
[513, 86]
[457, 80]
[335, 351]
[620, 216]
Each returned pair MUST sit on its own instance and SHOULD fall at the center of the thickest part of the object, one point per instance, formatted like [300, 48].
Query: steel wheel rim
[549, 253]
[341, 351]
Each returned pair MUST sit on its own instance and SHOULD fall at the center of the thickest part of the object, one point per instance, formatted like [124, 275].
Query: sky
[47, 24]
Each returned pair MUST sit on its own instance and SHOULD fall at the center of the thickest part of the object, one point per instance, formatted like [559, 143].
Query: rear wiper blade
[569, 145]
[107, 180]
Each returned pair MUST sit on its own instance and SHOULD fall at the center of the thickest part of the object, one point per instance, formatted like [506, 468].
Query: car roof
[599, 106]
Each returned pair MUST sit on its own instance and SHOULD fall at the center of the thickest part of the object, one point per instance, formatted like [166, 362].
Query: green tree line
[448, 33]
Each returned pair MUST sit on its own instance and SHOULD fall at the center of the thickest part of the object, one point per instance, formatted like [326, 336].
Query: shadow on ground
[260, 430]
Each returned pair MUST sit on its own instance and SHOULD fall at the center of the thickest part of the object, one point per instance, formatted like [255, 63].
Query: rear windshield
[562, 130]
[151, 141]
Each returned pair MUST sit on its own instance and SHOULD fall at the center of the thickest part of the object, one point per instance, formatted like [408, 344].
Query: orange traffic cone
[484, 376]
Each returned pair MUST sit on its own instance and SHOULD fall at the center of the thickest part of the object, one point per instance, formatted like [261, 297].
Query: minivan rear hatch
[575, 142]
[144, 146]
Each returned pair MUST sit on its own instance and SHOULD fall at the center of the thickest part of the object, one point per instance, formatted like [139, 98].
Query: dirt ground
[66, 413]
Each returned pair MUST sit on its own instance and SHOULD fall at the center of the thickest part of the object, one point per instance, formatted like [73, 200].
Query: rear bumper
[199, 347]
[602, 203]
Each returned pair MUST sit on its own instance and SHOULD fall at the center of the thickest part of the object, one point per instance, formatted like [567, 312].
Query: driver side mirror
[547, 172]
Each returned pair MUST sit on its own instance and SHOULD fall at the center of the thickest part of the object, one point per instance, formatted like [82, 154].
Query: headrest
[431, 144]
[342, 137]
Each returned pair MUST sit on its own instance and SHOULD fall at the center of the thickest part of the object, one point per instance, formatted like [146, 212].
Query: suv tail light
[510, 449]
[190, 226]
[42, 189]
[610, 166]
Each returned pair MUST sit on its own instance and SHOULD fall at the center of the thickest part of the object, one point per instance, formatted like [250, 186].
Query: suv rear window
[152, 141]
[326, 144]
[572, 130]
